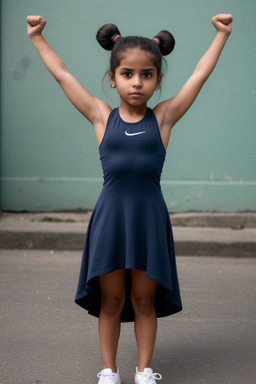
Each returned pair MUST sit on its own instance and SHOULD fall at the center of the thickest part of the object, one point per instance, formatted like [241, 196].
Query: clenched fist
[35, 25]
[223, 23]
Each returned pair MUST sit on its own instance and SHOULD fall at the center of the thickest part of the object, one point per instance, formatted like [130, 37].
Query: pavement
[46, 338]
[195, 234]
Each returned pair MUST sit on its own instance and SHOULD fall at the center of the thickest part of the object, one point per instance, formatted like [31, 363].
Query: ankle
[112, 367]
[141, 367]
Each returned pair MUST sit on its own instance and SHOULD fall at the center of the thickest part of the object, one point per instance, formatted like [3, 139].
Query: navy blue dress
[130, 225]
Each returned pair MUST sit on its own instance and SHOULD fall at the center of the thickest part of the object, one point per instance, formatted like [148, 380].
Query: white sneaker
[146, 377]
[106, 376]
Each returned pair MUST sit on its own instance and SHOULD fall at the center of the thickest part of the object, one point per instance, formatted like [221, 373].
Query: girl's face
[135, 78]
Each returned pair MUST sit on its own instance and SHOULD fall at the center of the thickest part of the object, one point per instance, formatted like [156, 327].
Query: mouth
[136, 94]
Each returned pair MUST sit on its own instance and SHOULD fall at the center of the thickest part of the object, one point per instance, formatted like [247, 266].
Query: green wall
[49, 155]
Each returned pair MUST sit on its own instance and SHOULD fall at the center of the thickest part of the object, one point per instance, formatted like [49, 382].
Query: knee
[112, 305]
[143, 305]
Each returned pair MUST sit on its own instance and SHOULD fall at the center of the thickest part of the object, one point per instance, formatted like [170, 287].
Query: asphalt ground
[46, 338]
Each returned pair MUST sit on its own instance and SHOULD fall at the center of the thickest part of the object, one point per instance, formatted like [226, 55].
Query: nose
[137, 81]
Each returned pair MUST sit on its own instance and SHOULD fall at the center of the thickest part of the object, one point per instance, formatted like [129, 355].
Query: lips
[136, 94]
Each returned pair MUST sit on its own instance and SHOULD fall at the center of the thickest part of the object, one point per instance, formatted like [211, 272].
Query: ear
[159, 80]
[112, 80]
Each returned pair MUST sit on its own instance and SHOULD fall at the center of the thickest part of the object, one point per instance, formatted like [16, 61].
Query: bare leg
[143, 301]
[112, 301]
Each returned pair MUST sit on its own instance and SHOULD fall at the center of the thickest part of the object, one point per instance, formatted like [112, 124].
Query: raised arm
[92, 108]
[170, 111]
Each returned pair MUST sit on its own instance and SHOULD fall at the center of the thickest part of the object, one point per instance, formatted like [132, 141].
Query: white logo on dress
[134, 134]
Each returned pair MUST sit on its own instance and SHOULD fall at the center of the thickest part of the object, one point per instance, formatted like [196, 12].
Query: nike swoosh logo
[134, 134]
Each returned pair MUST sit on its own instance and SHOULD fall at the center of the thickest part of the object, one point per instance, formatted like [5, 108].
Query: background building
[49, 155]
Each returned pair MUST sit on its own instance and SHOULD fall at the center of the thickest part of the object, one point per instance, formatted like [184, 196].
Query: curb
[219, 235]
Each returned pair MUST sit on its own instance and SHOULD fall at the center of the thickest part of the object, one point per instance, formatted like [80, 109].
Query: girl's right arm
[95, 110]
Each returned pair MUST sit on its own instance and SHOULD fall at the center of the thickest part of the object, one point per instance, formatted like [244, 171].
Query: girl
[128, 270]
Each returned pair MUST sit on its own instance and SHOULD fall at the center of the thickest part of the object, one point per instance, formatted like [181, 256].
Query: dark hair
[108, 38]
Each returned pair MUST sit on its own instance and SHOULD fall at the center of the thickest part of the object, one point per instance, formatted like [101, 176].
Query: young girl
[128, 270]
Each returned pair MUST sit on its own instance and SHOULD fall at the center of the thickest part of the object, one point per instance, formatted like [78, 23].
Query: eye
[126, 74]
[147, 75]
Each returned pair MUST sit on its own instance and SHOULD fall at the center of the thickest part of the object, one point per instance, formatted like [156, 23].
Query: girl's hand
[223, 23]
[35, 25]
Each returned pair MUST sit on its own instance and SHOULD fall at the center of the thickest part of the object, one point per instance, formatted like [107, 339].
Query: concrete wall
[49, 155]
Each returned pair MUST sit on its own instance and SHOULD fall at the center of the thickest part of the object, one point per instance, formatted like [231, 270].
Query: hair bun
[166, 42]
[106, 34]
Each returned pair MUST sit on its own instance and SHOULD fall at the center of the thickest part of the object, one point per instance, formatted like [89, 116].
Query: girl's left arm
[173, 109]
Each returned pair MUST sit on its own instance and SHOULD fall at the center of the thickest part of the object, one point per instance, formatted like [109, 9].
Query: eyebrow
[132, 70]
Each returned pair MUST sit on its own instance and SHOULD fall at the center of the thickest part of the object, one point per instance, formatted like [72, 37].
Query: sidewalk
[195, 234]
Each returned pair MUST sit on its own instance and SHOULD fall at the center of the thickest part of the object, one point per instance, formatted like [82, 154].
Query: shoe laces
[153, 376]
[149, 378]
[107, 376]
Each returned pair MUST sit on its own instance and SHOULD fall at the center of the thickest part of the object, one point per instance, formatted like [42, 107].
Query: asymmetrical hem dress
[130, 227]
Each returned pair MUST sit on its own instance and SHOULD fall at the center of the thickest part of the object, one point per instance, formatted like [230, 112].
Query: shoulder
[101, 119]
[103, 110]
[162, 113]
[164, 121]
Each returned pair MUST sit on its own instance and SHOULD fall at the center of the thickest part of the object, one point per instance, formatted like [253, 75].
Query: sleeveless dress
[130, 225]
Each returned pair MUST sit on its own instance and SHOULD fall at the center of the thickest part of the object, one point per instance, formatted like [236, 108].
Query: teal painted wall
[49, 155]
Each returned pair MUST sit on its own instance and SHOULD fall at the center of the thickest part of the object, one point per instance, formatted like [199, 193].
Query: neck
[132, 112]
